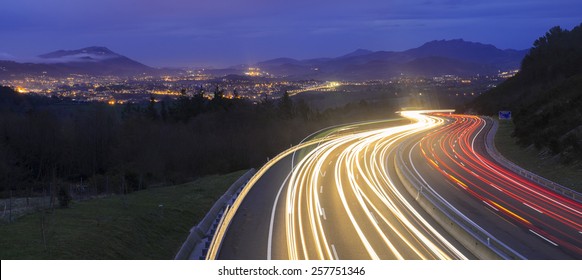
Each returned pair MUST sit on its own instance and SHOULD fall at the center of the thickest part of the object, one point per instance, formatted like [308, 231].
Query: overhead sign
[505, 115]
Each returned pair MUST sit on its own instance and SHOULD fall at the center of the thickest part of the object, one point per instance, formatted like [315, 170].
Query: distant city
[254, 85]
[99, 74]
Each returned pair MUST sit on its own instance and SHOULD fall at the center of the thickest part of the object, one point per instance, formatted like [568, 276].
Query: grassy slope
[568, 176]
[107, 229]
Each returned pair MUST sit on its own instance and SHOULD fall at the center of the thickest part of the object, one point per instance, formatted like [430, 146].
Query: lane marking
[323, 213]
[270, 240]
[508, 222]
[511, 213]
[490, 205]
[321, 189]
[374, 218]
[499, 189]
[329, 162]
[334, 252]
[550, 241]
[462, 164]
[323, 174]
[532, 207]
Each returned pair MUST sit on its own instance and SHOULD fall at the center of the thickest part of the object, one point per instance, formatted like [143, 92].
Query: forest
[545, 96]
[51, 144]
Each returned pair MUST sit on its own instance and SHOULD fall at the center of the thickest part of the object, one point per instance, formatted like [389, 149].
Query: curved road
[536, 222]
[342, 200]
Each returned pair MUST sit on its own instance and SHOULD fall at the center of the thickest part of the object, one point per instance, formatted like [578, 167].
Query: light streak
[363, 201]
[454, 151]
[383, 223]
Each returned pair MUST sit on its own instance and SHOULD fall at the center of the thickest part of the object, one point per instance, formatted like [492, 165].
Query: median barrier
[478, 241]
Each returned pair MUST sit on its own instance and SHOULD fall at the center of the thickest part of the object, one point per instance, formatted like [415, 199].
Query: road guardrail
[197, 242]
[548, 184]
[417, 188]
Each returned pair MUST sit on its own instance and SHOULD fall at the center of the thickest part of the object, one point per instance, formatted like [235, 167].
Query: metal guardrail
[487, 239]
[548, 184]
[201, 234]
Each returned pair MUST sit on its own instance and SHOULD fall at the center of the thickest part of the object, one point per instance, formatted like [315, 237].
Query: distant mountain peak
[357, 52]
[456, 56]
[98, 50]
[455, 43]
[94, 52]
[469, 51]
[95, 60]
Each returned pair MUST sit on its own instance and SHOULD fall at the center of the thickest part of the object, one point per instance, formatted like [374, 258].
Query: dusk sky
[227, 32]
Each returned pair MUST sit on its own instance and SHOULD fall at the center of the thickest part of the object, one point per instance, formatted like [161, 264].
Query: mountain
[438, 65]
[470, 51]
[457, 57]
[545, 96]
[357, 52]
[91, 53]
[91, 61]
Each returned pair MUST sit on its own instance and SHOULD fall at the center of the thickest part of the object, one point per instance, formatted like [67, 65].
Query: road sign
[505, 115]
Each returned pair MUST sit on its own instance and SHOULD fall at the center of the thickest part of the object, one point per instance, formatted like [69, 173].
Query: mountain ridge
[455, 55]
[458, 57]
[94, 60]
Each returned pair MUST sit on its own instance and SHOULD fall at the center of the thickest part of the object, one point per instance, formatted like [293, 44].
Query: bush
[64, 198]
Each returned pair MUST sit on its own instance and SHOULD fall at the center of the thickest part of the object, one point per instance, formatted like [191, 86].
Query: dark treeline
[545, 96]
[50, 144]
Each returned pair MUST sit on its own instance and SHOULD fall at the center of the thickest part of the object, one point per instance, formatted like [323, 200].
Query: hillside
[456, 57]
[90, 61]
[545, 96]
[149, 224]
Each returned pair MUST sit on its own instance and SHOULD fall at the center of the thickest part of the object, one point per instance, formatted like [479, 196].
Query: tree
[151, 112]
[303, 110]
[64, 198]
[286, 107]
[164, 111]
[218, 99]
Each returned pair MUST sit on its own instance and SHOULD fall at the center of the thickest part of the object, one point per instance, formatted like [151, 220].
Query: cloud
[80, 57]
[6, 56]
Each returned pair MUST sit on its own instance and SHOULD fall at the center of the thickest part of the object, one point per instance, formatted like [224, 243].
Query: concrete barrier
[475, 246]
[479, 242]
[202, 232]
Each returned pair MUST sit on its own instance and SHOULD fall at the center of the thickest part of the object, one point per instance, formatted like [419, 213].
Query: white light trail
[370, 206]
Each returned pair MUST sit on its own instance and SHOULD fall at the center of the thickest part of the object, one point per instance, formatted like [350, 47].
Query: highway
[339, 197]
[538, 223]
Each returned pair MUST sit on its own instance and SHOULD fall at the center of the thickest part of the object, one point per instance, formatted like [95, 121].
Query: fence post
[10, 216]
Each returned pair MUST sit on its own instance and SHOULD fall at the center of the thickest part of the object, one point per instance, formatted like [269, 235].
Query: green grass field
[568, 176]
[109, 228]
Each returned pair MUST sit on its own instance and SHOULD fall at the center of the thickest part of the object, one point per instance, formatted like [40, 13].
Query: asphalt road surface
[338, 198]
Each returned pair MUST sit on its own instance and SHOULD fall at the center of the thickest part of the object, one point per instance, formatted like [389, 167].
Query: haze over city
[227, 32]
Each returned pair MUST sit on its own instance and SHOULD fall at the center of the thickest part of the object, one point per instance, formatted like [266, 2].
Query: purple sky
[226, 32]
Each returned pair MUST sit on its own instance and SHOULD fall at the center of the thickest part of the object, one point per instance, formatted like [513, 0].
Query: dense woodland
[545, 96]
[52, 144]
